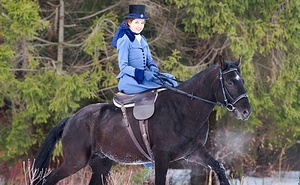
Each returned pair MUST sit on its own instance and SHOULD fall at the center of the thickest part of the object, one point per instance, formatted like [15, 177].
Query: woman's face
[137, 25]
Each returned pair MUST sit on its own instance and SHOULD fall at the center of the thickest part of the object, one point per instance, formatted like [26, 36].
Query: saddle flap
[144, 111]
[144, 107]
[142, 103]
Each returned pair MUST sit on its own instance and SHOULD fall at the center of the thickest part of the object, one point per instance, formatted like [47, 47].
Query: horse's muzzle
[243, 114]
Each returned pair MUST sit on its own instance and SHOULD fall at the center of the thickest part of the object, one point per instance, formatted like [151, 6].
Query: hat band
[141, 16]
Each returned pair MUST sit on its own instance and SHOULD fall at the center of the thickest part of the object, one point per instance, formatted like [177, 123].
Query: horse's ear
[238, 62]
[222, 63]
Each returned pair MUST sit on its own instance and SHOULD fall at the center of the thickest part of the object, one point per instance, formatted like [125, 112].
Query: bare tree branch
[101, 11]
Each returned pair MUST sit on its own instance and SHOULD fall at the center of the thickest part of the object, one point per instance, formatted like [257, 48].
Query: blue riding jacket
[131, 56]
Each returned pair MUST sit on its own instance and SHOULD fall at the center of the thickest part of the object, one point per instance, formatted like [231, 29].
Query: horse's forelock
[230, 65]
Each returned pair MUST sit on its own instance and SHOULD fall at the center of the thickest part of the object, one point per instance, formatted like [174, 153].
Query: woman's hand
[149, 75]
[154, 69]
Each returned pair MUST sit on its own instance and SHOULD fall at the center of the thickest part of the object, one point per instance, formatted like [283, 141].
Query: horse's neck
[201, 85]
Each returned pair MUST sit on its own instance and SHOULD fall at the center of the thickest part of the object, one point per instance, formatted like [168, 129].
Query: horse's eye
[230, 83]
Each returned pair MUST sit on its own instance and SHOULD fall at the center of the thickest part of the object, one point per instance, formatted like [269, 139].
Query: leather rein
[229, 106]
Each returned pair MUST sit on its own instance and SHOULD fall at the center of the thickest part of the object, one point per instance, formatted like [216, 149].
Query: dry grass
[120, 175]
[82, 177]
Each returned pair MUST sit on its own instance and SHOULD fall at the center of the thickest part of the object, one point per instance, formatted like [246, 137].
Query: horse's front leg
[201, 156]
[162, 161]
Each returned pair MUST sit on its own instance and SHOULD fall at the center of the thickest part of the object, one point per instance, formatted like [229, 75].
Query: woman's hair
[128, 21]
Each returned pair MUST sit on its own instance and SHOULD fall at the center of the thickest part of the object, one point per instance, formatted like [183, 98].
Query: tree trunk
[60, 49]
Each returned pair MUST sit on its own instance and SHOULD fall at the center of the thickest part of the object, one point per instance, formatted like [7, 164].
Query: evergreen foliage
[37, 93]
[266, 34]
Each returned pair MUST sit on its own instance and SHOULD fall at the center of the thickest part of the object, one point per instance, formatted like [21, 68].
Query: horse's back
[80, 126]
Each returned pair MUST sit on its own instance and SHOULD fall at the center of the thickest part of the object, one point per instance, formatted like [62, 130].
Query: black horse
[96, 135]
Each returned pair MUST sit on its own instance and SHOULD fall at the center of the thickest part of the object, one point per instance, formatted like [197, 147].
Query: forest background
[56, 57]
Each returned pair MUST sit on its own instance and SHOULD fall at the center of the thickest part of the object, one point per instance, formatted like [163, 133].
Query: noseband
[229, 106]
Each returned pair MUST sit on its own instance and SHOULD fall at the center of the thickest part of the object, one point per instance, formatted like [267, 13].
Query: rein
[229, 106]
[184, 93]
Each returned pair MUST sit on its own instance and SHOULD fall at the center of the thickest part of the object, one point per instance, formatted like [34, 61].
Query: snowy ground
[286, 178]
[183, 177]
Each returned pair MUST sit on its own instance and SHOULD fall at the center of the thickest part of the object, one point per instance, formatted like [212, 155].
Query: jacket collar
[136, 43]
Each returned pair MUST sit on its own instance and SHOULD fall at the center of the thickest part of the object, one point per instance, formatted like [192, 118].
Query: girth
[144, 133]
[143, 108]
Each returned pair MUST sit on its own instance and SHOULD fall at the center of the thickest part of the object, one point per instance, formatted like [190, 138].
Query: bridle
[226, 104]
[229, 106]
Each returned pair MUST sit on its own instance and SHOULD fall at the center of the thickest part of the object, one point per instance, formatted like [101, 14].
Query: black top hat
[136, 12]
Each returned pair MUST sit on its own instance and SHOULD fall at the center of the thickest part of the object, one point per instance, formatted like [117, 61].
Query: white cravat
[138, 38]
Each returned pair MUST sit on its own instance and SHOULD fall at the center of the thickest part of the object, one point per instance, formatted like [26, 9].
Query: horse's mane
[226, 65]
[197, 76]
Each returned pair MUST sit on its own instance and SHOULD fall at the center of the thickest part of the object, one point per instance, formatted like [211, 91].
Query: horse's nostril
[246, 112]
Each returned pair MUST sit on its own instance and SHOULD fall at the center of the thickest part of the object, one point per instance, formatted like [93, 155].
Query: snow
[285, 178]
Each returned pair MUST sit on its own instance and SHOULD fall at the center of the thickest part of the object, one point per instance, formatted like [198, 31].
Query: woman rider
[137, 68]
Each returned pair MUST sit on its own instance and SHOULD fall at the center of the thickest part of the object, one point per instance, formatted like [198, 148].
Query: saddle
[143, 108]
[142, 103]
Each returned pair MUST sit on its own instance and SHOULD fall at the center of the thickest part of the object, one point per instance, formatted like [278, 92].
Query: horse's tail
[42, 157]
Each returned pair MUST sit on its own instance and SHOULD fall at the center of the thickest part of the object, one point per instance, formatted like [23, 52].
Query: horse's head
[231, 92]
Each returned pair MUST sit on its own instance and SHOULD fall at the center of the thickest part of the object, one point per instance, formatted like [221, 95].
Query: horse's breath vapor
[233, 143]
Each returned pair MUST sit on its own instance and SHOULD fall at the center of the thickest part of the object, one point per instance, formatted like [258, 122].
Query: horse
[97, 136]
